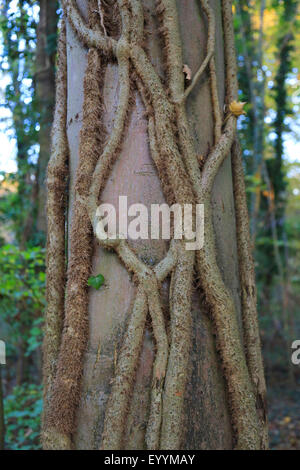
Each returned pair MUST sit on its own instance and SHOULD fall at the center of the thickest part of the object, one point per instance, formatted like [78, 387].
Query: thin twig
[101, 17]
[212, 71]
[210, 48]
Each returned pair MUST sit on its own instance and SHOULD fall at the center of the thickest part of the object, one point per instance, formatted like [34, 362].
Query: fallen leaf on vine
[187, 71]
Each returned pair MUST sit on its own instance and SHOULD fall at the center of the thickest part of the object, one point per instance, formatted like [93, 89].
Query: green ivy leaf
[96, 281]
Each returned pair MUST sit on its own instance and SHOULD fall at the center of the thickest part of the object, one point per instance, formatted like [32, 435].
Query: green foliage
[267, 33]
[17, 64]
[22, 263]
[96, 281]
[23, 408]
[22, 294]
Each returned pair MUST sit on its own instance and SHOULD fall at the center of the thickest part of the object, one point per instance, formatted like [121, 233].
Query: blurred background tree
[267, 41]
[28, 37]
[267, 36]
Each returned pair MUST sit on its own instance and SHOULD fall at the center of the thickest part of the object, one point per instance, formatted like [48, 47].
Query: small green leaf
[96, 281]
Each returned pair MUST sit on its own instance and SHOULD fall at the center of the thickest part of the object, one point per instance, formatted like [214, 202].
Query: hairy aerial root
[170, 25]
[111, 150]
[183, 182]
[56, 202]
[92, 38]
[160, 364]
[229, 344]
[155, 154]
[249, 295]
[244, 416]
[181, 333]
[67, 382]
[118, 405]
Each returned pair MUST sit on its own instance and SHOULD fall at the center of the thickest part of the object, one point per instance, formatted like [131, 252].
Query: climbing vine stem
[56, 206]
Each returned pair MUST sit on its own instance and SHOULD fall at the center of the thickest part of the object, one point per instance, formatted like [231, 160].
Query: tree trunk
[210, 415]
[45, 93]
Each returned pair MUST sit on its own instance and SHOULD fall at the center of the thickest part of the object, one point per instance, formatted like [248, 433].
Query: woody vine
[116, 34]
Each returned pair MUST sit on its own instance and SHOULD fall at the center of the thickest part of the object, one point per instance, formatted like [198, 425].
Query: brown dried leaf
[187, 71]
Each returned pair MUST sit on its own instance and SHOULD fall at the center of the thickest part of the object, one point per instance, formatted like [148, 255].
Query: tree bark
[207, 419]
